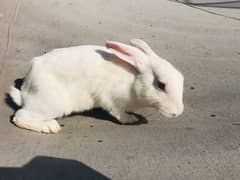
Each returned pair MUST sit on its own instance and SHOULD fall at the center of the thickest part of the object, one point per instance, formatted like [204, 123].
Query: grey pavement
[203, 143]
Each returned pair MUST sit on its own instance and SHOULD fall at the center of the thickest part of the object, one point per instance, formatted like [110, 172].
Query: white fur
[80, 78]
[16, 95]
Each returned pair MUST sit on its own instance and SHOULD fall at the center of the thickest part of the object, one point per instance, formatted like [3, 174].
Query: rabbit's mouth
[167, 114]
[162, 110]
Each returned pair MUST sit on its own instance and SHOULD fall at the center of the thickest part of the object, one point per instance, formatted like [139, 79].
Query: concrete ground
[203, 42]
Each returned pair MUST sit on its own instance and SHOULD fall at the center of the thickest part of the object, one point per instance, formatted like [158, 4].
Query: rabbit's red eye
[161, 85]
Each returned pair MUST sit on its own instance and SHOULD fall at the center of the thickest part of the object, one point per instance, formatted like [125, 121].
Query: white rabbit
[118, 78]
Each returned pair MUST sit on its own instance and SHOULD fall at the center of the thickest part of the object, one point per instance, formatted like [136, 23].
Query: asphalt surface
[203, 42]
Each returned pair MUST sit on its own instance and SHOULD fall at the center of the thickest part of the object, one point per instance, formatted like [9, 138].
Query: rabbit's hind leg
[35, 122]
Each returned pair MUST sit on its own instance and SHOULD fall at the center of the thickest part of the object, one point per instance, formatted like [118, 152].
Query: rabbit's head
[158, 84]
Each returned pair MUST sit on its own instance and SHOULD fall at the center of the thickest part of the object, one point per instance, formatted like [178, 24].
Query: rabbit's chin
[168, 114]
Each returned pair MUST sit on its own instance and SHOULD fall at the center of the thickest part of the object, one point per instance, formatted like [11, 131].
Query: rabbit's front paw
[128, 118]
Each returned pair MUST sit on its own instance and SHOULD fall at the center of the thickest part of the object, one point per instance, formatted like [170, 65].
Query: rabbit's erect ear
[130, 54]
[143, 46]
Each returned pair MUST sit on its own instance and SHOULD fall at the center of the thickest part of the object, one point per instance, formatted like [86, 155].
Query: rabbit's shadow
[101, 114]
[8, 100]
[96, 113]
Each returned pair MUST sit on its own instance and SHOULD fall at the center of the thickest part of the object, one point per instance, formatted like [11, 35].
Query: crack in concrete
[11, 22]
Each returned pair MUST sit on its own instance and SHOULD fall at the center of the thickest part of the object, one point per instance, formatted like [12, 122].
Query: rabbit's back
[82, 62]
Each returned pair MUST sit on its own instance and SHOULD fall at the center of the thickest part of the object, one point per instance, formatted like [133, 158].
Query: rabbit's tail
[15, 94]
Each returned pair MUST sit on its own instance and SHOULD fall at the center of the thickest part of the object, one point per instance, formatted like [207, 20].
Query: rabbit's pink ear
[130, 55]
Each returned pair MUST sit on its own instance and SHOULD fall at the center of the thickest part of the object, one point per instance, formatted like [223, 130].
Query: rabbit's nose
[173, 115]
[177, 112]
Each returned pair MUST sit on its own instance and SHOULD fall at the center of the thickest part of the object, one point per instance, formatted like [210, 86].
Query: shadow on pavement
[42, 168]
[8, 100]
[99, 113]
[213, 3]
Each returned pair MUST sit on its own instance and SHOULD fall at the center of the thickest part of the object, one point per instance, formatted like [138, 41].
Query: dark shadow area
[44, 168]
[98, 113]
[101, 114]
[18, 83]
[8, 100]
[210, 3]
[106, 55]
